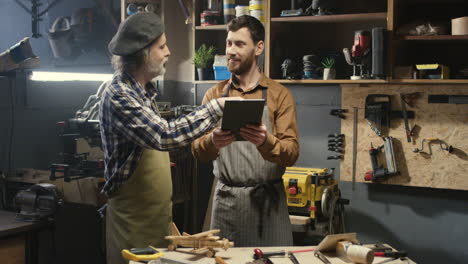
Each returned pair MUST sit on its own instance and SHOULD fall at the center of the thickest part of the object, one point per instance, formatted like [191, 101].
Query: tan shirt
[281, 146]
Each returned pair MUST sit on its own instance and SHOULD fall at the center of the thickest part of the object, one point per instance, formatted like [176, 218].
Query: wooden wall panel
[448, 122]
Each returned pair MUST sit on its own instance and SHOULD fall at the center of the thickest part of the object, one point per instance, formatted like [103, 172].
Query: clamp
[338, 113]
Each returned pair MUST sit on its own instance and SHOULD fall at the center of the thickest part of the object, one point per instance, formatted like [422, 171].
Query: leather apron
[243, 216]
[139, 213]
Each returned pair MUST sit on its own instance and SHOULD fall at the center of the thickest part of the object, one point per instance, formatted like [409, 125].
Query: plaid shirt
[130, 122]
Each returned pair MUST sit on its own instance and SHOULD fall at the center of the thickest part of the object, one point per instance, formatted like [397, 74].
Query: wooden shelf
[329, 81]
[333, 18]
[371, 81]
[427, 81]
[216, 27]
[393, 81]
[433, 38]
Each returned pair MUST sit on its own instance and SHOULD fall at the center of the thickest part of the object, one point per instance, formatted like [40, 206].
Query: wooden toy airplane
[202, 243]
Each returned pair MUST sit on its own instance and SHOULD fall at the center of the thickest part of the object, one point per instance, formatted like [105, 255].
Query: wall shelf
[439, 38]
[328, 81]
[362, 17]
[215, 27]
[427, 81]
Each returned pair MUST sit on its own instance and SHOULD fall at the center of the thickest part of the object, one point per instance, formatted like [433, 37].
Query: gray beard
[155, 69]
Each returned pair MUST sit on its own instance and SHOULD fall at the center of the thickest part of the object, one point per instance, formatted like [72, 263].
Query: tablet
[238, 113]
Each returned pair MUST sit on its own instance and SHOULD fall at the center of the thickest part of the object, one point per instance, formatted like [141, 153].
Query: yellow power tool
[304, 189]
[314, 193]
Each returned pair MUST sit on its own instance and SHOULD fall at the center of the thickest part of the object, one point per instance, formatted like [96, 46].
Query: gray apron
[249, 204]
[139, 213]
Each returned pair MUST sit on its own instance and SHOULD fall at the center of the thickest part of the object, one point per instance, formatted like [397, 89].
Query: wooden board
[244, 255]
[448, 122]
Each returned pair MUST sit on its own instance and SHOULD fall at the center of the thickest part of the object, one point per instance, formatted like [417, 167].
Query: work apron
[244, 216]
[139, 213]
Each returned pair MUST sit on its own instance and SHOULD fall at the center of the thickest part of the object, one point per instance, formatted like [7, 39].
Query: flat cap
[135, 33]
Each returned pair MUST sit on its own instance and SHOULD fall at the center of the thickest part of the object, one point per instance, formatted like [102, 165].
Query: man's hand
[256, 134]
[221, 138]
[222, 100]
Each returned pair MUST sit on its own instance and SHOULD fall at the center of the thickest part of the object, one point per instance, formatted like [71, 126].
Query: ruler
[355, 123]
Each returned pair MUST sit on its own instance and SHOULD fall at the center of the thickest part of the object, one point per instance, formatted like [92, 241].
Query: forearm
[149, 130]
[203, 148]
[283, 151]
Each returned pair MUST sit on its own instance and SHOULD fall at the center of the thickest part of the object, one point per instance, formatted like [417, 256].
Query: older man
[135, 138]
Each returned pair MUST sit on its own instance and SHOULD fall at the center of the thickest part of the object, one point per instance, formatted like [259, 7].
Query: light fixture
[69, 76]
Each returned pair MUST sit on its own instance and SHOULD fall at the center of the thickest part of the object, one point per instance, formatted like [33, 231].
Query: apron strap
[260, 194]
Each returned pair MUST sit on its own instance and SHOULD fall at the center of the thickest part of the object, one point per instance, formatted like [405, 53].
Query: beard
[155, 68]
[243, 66]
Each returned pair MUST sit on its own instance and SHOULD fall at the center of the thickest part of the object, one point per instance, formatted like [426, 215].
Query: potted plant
[329, 72]
[202, 57]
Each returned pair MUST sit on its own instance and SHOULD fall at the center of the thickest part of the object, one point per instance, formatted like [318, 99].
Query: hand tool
[339, 150]
[355, 135]
[383, 251]
[258, 253]
[391, 254]
[141, 254]
[443, 146]
[410, 98]
[379, 173]
[405, 118]
[377, 111]
[293, 258]
[338, 113]
[335, 147]
[335, 157]
[322, 257]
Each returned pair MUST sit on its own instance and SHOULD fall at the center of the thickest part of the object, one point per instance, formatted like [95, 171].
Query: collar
[233, 83]
[150, 92]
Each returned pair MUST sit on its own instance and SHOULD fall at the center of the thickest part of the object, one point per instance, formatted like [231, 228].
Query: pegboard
[448, 122]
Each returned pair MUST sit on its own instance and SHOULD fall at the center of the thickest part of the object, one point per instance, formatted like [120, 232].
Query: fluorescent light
[69, 76]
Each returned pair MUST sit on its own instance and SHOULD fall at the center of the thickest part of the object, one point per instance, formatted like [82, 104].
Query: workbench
[243, 255]
[19, 240]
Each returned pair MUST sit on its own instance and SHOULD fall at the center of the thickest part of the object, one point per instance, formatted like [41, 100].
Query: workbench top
[10, 226]
[239, 255]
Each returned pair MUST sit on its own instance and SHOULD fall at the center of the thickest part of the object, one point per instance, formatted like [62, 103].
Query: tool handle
[258, 253]
[373, 155]
[273, 253]
[293, 258]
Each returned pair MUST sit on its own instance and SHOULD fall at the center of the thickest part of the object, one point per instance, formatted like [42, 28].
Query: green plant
[203, 55]
[328, 62]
